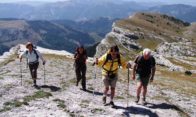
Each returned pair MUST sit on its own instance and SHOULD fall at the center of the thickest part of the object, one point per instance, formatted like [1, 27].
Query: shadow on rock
[96, 93]
[139, 111]
[164, 106]
[52, 88]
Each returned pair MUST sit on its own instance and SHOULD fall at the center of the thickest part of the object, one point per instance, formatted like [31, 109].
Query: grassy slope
[156, 24]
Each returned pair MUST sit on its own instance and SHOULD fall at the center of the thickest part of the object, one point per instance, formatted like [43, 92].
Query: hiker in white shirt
[32, 56]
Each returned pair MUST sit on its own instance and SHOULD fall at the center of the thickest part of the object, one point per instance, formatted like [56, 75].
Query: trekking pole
[44, 75]
[95, 70]
[21, 72]
[128, 89]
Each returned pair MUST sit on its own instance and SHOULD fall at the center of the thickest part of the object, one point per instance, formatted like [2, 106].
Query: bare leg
[139, 87]
[144, 91]
[112, 93]
[105, 92]
[144, 88]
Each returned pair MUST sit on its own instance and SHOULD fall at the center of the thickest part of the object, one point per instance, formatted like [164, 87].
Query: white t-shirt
[31, 56]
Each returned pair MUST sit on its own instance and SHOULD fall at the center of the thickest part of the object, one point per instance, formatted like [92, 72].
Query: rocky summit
[58, 95]
[172, 40]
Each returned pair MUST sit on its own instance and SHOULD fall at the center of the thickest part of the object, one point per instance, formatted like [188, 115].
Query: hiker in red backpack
[110, 63]
[32, 56]
[80, 66]
[144, 70]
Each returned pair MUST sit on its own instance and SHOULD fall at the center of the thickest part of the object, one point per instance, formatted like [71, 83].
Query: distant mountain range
[71, 10]
[183, 12]
[60, 35]
[97, 28]
[90, 9]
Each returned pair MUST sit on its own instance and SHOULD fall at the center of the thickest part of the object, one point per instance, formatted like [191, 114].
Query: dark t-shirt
[144, 66]
[81, 60]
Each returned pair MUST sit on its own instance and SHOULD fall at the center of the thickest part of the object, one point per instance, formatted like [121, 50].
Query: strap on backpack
[107, 58]
[37, 56]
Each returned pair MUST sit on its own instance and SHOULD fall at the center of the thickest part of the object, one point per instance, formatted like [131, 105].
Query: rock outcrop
[165, 35]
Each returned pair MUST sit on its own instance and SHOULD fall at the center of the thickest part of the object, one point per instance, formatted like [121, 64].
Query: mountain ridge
[166, 36]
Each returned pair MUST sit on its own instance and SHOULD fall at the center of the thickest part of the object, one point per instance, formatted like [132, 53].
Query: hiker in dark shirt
[80, 66]
[143, 70]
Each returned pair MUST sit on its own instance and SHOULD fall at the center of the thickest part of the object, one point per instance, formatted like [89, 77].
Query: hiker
[144, 70]
[32, 56]
[80, 66]
[110, 63]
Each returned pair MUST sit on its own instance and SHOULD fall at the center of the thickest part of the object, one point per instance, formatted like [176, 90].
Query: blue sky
[190, 2]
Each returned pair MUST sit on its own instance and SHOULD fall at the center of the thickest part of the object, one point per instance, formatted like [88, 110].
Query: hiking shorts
[143, 79]
[109, 81]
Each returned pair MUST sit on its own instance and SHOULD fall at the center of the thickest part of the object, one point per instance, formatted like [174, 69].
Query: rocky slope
[172, 40]
[59, 97]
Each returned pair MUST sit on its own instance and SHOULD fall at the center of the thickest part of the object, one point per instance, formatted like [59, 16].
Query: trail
[68, 100]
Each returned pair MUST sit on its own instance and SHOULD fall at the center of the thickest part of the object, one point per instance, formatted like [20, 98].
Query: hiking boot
[104, 99]
[144, 101]
[137, 100]
[84, 89]
[34, 82]
[76, 83]
[112, 104]
[36, 86]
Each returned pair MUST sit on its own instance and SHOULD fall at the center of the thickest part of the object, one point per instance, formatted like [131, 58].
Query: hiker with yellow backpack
[110, 63]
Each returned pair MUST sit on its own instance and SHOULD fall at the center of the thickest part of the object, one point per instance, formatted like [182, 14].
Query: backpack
[109, 57]
[37, 56]
[80, 61]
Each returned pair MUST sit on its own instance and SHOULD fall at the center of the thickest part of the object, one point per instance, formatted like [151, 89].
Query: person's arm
[153, 69]
[135, 67]
[75, 55]
[41, 57]
[124, 64]
[134, 70]
[101, 60]
[22, 55]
